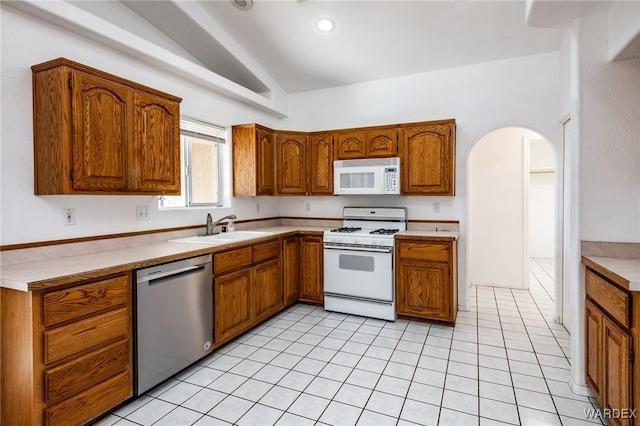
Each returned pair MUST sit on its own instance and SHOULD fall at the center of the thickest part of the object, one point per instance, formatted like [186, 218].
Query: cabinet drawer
[613, 300]
[90, 404]
[266, 251]
[424, 251]
[82, 335]
[85, 299]
[232, 259]
[87, 371]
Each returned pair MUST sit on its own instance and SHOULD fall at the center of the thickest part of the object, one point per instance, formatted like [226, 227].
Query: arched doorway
[513, 215]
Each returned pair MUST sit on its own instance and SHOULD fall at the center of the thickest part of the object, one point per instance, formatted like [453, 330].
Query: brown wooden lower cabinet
[616, 385]
[593, 332]
[232, 313]
[610, 333]
[311, 269]
[267, 291]
[66, 352]
[290, 269]
[426, 284]
[250, 293]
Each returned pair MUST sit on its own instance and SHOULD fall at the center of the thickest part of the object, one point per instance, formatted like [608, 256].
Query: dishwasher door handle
[175, 273]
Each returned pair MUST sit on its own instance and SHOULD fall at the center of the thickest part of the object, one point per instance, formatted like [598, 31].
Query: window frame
[193, 129]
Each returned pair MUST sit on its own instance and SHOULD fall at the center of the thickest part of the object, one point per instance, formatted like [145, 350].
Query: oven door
[359, 272]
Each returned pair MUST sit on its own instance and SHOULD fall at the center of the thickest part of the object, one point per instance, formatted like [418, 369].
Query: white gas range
[359, 269]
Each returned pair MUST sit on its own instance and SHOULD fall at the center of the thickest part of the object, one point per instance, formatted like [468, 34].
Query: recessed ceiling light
[325, 25]
[243, 4]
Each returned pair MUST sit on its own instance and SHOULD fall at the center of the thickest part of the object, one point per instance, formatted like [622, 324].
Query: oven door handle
[378, 250]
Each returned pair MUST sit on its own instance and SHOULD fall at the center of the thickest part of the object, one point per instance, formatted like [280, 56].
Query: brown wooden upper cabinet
[254, 160]
[303, 162]
[350, 145]
[291, 148]
[427, 158]
[320, 164]
[363, 143]
[95, 133]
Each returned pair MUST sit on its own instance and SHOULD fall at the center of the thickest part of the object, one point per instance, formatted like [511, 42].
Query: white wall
[27, 41]
[604, 154]
[481, 97]
[542, 195]
[609, 132]
[497, 209]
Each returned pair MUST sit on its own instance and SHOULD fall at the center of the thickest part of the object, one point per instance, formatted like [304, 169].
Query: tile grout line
[267, 338]
[536, 354]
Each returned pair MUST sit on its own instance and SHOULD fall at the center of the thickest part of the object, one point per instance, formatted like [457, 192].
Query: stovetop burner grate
[346, 229]
[383, 231]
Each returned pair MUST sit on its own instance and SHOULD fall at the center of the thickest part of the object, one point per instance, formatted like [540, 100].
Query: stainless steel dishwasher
[174, 318]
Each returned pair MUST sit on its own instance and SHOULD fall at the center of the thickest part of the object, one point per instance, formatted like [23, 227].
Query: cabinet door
[292, 163]
[616, 383]
[594, 347]
[382, 143]
[101, 133]
[232, 313]
[156, 151]
[291, 271]
[350, 145]
[267, 289]
[424, 289]
[427, 155]
[311, 286]
[321, 164]
[265, 162]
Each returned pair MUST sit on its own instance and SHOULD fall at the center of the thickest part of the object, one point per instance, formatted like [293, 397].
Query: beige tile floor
[504, 362]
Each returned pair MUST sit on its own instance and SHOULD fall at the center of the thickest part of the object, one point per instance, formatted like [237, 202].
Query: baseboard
[582, 390]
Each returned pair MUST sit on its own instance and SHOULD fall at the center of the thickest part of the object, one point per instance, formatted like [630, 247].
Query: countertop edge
[178, 251]
[610, 268]
[37, 275]
[428, 235]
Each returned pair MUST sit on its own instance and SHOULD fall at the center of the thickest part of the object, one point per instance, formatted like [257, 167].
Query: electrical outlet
[257, 207]
[68, 217]
[436, 207]
[142, 213]
[307, 206]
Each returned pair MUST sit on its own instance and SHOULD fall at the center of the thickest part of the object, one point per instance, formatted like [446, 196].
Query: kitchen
[531, 90]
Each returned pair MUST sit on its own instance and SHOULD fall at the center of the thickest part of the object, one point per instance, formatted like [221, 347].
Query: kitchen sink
[239, 235]
[222, 238]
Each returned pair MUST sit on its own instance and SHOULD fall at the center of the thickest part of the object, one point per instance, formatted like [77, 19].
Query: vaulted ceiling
[275, 47]
[372, 39]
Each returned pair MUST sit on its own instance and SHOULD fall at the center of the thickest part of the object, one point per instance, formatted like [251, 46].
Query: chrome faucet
[211, 224]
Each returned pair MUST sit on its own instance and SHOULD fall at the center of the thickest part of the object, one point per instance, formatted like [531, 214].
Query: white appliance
[367, 176]
[359, 269]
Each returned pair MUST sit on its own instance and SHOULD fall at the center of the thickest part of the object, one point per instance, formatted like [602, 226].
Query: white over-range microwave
[366, 176]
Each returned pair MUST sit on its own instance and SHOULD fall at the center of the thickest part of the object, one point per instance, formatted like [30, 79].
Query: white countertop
[449, 235]
[61, 270]
[25, 275]
[626, 268]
